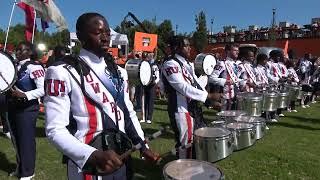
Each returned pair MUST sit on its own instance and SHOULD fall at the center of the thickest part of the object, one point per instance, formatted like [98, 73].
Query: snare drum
[240, 100]
[283, 99]
[253, 104]
[8, 72]
[139, 72]
[213, 144]
[244, 134]
[204, 64]
[229, 116]
[258, 122]
[190, 169]
[270, 101]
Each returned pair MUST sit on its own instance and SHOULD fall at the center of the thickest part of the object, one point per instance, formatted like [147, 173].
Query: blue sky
[240, 13]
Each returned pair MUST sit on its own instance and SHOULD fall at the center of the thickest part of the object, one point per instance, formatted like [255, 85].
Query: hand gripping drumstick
[147, 140]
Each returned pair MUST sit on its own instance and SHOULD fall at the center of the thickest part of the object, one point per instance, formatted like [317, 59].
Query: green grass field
[290, 150]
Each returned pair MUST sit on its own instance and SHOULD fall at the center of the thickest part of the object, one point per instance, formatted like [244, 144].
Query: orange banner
[145, 42]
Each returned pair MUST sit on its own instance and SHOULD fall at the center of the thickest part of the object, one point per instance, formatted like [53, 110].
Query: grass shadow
[40, 132]
[161, 102]
[160, 109]
[5, 164]
[298, 126]
[304, 119]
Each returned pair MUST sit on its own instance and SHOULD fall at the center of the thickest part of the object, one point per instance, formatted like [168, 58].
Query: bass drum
[8, 72]
[189, 169]
[204, 64]
[139, 72]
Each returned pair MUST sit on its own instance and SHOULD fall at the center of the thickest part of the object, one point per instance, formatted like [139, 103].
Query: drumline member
[284, 74]
[294, 80]
[184, 94]
[305, 77]
[94, 90]
[261, 72]
[315, 79]
[23, 108]
[246, 72]
[226, 75]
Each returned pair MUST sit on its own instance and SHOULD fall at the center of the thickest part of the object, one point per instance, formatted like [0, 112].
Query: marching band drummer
[293, 79]
[247, 73]
[305, 77]
[23, 108]
[260, 71]
[184, 94]
[226, 75]
[94, 90]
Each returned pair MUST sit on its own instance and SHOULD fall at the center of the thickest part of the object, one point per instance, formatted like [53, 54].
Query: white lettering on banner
[231, 72]
[252, 76]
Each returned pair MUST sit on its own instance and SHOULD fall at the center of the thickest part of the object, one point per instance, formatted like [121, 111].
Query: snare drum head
[212, 132]
[208, 64]
[145, 73]
[189, 169]
[239, 126]
[231, 113]
[7, 72]
[249, 119]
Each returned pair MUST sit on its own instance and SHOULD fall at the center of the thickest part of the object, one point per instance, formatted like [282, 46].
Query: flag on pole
[30, 20]
[48, 11]
[285, 49]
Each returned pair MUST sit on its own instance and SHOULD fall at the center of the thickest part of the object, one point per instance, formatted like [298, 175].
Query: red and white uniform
[247, 74]
[64, 97]
[273, 72]
[225, 70]
[293, 73]
[283, 69]
[180, 76]
[261, 75]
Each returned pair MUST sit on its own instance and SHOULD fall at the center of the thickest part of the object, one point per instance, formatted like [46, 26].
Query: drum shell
[300, 94]
[283, 99]
[243, 138]
[293, 92]
[217, 175]
[270, 101]
[253, 105]
[240, 100]
[133, 69]
[229, 116]
[258, 122]
[213, 149]
[199, 64]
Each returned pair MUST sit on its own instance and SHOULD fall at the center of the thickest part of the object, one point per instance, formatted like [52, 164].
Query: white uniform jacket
[181, 79]
[247, 74]
[273, 72]
[283, 69]
[64, 97]
[305, 68]
[261, 75]
[293, 73]
[36, 73]
[221, 74]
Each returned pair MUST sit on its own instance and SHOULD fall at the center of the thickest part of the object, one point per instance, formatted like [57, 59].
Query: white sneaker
[289, 110]
[308, 106]
[267, 128]
[142, 121]
[281, 115]
[148, 121]
[294, 110]
[303, 106]
[14, 173]
[313, 102]
[27, 178]
[274, 120]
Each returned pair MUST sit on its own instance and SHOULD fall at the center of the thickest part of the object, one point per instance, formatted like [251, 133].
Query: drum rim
[139, 65]
[241, 129]
[139, 73]
[166, 175]
[201, 57]
[15, 72]
[226, 136]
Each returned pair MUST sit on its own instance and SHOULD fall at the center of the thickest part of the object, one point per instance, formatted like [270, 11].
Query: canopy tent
[116, 38]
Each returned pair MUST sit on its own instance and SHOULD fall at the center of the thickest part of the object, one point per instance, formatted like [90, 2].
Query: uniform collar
[181, 59]
[89, 57]
[229, 59]
[23, 61]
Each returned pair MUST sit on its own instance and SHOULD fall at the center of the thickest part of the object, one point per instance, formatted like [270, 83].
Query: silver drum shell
[270, 101]
[213, 148]
[243, 137]
[283, 99]
[253, 104]
[300, 94]
[258, 122]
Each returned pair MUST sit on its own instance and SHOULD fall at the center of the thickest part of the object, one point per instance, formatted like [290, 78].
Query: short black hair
[229, 46]
[34, 53]
[261, 57]
[275, 54]
[175, 42]
[83, 20]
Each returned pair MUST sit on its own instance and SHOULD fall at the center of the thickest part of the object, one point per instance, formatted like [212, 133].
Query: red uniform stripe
[189, 124]
[91, 109]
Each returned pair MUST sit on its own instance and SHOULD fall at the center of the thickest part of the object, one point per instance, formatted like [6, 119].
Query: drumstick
[4, 79]
[139, 146]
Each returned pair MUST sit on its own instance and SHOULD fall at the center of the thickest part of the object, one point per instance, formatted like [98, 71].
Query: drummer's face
[186, 49]
[97, 36]
[23, 52]
[250, 56]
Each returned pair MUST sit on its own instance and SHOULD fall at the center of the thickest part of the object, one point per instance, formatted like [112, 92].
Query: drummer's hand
[151, 156]
[107, 161]
[215, 96]
[18, 93]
